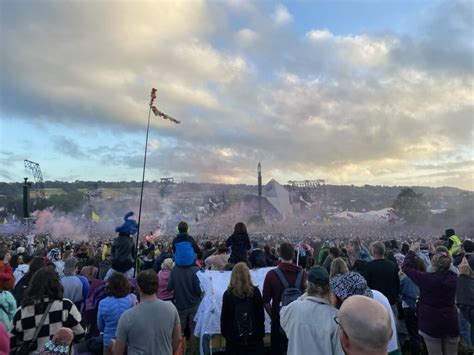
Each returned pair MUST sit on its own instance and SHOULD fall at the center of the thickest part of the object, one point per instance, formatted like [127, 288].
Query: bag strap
[299, 278]
[40, 324]
[282, 278]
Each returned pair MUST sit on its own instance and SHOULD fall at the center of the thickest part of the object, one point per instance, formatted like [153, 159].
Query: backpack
[244, 318]
[290, 293]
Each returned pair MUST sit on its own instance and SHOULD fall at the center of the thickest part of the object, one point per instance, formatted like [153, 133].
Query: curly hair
[44, 284]
[240, 281]
[118, 285]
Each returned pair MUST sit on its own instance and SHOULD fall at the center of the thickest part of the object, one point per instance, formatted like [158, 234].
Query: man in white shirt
[352, 283]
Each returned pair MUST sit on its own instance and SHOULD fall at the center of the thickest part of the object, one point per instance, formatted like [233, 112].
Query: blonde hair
[338, 266]
[240, 281]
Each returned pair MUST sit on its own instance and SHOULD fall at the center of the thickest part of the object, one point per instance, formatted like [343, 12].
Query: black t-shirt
[382, 275]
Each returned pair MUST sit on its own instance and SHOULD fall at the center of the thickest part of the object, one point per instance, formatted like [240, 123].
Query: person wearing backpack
[242, 315]
[282, 286]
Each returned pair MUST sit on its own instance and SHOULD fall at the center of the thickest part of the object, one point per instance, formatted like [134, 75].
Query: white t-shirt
[379, 297]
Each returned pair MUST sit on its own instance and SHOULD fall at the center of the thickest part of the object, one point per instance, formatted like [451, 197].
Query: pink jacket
[163, 278]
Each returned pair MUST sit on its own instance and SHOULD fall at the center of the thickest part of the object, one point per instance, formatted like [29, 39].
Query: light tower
[259, 179]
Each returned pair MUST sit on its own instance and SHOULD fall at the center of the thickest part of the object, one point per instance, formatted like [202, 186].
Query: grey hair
[317, 290]
[378, 248]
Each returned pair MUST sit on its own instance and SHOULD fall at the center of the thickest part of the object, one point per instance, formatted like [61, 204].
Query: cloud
[68, 147]
[351, 108]
[282, 16]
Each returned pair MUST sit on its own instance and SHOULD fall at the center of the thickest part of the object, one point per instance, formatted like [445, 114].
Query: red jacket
[272, 287]
[7, 281]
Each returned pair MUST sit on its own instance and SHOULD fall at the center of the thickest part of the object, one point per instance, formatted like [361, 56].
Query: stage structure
[308, 193]
[164, 183]
[37, 176]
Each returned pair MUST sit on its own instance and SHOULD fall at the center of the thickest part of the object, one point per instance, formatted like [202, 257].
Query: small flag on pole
[95, 217]
[157, 112]
[164, 115]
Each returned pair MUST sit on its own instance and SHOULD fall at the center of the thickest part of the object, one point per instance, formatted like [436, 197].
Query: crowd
[341, 293]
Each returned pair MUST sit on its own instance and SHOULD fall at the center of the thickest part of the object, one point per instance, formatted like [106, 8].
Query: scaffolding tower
[37, 176]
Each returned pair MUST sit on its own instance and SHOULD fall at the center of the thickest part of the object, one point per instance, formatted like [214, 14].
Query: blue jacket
[110, 310]
[185, 250]
[410, 292]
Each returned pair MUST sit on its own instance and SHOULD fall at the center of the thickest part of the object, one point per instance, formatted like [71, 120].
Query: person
[453, 243]
[323, 252]
[165, 254]
[151, 327]
[187, 295]
[271, 258]
[7, 301]
[359, 255]
[76, 287]
[338, 266]
[410, 293]
[352, 283]
[90, 270]
[4, 340]
[20, 288]
[464, 298]
[22, 268]
[44, 291]
[239, 243]
[208, 250]
[123, 249]
[272, 292]
[382, 275]
[438, 321]
[219, 260]
[163, 279]
[332, 255]
[308, 323]
[60, 344]
[184, 246]
[364, 326]
[54, 256]
[118, 300]
[242, 315]
[257, 257]
[105, 265]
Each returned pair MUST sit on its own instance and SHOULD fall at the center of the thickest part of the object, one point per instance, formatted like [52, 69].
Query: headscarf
[349, 284]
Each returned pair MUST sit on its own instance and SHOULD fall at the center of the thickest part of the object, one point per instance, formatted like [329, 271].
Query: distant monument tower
[259, 178]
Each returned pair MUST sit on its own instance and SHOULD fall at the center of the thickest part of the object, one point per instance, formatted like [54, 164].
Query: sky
[353, 92]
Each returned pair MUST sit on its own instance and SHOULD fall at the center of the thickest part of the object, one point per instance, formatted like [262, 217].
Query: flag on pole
[95, 217]
[157, 112]
[164, 115]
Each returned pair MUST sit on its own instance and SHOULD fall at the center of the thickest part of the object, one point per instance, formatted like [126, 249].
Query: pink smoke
[60, 227]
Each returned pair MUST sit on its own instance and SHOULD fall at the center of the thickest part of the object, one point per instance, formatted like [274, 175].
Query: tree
[411, 206]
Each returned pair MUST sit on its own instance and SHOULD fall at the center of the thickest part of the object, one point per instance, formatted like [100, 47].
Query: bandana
[350, 284]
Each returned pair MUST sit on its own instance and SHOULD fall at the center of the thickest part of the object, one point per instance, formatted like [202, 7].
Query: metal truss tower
[37, 175]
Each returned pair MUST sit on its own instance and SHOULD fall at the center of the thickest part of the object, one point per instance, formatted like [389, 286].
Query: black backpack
[290, 293]
[244, 317]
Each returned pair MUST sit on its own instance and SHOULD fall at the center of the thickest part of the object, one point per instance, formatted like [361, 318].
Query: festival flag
[95, 217]
[164, 115]
[157, 112]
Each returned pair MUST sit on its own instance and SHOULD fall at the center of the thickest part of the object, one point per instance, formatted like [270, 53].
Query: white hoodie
[20, 271]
